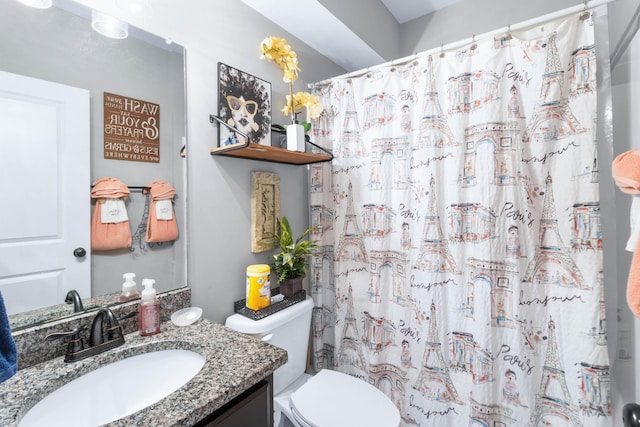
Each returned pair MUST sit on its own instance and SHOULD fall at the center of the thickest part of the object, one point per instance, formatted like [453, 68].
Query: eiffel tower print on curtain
[434, 381]
[351, 245]
[552, 118]
[350, 139]
[552, 263]
[350, 350]
[434, 252]
[434, 125]
[553, 400]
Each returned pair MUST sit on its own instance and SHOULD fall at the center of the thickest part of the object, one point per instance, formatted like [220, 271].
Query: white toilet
[327, 399]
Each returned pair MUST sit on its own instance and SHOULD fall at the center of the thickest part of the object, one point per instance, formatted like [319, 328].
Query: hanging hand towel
[634, 222]
[110, 223]
[161, 225]
[626, 173]
[109, 187]
[8, 351]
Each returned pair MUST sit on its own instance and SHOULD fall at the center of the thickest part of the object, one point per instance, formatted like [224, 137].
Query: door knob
[79, 252]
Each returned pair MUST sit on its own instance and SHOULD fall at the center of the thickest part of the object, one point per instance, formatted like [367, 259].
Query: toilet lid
[335, 399]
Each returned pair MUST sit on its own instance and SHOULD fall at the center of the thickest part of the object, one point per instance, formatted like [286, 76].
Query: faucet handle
[72, 338]
[114, 332]
[128, 315]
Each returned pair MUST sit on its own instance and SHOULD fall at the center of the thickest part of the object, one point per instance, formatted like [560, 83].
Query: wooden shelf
[270, 154]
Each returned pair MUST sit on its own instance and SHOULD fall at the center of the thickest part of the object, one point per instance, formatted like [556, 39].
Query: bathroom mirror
[58, 45]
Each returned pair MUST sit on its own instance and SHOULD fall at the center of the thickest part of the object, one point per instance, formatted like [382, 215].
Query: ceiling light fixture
[38, 4]
[109, 26]
[134, 7]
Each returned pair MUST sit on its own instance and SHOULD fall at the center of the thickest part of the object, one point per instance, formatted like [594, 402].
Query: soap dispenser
[149, 310]
[129, 290]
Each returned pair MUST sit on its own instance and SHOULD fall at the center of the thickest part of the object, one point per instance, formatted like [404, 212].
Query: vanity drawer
[254, 407]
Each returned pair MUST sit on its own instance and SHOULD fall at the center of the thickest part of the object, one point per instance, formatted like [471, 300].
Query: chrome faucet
[106, 333]
[74, 297]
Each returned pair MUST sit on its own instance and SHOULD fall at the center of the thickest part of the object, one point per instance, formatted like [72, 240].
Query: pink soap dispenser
[149, 310]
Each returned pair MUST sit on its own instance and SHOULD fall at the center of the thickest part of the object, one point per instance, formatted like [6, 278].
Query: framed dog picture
[244, 104]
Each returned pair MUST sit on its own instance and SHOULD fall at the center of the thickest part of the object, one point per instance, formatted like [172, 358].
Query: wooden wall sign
[265, 210]
[131, 129]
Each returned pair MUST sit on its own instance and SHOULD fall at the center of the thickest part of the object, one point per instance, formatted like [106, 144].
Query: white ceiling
[351, 52]
[406, 10]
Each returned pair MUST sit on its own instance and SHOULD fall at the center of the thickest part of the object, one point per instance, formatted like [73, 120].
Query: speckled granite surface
[234, 362]
[33, 349]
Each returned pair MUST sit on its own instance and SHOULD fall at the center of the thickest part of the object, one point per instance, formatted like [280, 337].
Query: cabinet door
[252, 408]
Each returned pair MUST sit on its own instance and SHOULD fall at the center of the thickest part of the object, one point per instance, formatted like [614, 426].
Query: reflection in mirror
[58, 45]
[28, 319]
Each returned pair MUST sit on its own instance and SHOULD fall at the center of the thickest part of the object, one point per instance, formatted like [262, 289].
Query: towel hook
[441, 50]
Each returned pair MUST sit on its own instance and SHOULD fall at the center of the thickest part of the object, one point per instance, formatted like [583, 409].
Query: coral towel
[115, 233]
[161, 225]
[626, 173]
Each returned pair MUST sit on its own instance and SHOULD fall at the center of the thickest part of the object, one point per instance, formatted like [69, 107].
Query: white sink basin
[116, 390]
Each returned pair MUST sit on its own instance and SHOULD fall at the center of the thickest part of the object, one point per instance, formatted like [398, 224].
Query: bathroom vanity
[232, 388]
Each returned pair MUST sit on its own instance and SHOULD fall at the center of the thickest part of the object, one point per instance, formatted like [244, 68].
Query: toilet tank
[288, 329]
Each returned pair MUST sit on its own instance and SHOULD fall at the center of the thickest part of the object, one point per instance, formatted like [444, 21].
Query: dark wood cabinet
[253, 408]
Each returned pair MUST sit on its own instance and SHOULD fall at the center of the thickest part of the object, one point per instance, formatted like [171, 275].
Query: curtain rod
[451, 46]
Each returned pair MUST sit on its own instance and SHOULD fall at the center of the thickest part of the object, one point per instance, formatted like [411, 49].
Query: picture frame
[244, 104]
[265, 210]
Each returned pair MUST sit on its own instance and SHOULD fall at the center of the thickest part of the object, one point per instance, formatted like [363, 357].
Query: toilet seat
[335, 399]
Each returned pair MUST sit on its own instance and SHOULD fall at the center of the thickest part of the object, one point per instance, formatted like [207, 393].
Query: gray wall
[468, 17]
[464, 19]
[366, 19]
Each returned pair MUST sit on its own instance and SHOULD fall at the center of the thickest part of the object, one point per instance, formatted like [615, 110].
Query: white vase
[295, 138]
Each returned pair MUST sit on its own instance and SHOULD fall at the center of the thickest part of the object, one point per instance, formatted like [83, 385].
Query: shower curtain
[461, 262]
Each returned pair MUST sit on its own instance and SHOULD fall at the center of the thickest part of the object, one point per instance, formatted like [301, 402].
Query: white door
[44, 192]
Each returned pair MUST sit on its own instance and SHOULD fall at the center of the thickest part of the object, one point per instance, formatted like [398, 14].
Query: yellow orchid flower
[303, 99]
[278, 51]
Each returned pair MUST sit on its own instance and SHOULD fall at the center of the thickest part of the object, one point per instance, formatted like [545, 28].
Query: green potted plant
[289, 266]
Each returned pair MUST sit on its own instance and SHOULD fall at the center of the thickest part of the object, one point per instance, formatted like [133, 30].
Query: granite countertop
[234, 362]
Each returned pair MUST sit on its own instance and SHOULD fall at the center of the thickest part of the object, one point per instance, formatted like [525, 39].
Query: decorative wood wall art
[265, 210]
[131, 129]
